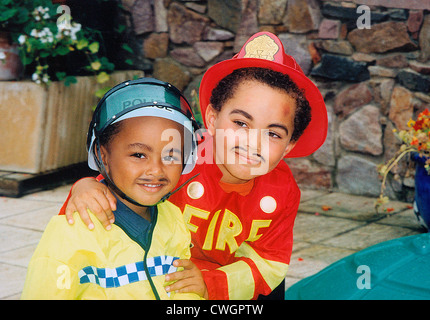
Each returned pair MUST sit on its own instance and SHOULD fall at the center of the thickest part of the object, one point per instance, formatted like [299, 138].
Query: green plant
[52, 45]
[415, 139]
[13, 15]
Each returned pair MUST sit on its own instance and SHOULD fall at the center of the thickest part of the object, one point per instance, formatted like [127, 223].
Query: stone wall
[373, 79]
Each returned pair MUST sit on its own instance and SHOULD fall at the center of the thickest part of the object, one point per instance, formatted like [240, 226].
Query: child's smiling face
[141, 159]
[252, 131]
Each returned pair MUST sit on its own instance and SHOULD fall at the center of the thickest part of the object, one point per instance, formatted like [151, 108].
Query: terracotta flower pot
[11, 66]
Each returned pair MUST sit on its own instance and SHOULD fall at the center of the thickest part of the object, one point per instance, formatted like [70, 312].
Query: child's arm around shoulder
[88, 193]
[187, 282]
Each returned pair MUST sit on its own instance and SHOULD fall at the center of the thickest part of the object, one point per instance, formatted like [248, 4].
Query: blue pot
[422, 192]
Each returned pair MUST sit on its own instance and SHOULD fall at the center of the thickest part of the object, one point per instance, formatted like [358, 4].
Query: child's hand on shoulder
[189, 280]
[90, 194]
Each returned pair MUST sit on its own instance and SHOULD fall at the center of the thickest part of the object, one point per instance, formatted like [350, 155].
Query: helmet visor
[134, 95]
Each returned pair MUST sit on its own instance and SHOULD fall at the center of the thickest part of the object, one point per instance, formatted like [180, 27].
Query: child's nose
[254, 141]
[156, 168]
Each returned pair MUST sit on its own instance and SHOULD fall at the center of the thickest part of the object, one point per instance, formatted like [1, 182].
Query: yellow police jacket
[73, 262]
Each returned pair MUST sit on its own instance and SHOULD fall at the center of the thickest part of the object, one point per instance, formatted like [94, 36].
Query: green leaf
[44, 54]
[120, 28]
[129, 62]
[22, 16]
[96, 65]
[69, 80]
[102, 77]
[101, 92]
[7, 14]
[82, 43]
[60, 75]
[94, 47]
[62, 50]
[126, 47]
[106, 64]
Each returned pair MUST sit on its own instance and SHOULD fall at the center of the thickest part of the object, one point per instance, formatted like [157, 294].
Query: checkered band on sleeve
[129, 273]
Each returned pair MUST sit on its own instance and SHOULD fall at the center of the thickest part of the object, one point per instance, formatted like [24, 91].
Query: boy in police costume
[140, 168]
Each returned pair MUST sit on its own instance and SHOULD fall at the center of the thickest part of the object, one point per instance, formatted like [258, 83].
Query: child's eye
[139, 155]
[171, 159]
[273, 135]
[240, 123]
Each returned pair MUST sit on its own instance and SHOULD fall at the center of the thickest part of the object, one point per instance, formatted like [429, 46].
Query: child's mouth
[151, 187]
[245, 158]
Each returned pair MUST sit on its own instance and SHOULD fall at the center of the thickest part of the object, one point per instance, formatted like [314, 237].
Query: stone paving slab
[22, 222]
[13, 238]
[12, 279]
[349, 206]
[406, 219]
[367, 236]
[316, 228]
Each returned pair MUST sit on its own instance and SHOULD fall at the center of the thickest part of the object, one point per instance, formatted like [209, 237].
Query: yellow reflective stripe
[273, 272]
[240, 281]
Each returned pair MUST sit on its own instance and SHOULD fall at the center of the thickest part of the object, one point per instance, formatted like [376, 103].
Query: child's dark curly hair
[227, 86]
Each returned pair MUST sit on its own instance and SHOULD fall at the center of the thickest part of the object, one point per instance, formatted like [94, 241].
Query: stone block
[309, 174]
[357, 175]
[351, 98]
[414, 81]
[185, 26]
[424, 40]
[382, 37]
[329, 29]
[296, 46]
[302, 16]
[271, 12]
[341, 68]
[401, 107]
[362, 131]
[188, 57]
[156, 45]
[167, 69]
[143, 16]
[226, 13]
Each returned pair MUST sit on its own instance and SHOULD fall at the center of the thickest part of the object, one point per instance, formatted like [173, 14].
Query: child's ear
[290, 147]
[211, 116]
[105, 154]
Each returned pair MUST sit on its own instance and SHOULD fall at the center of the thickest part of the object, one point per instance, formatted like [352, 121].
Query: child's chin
[247, 172]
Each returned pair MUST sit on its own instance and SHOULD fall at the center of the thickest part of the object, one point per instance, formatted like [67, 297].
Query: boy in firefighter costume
[241, 207]
[141, 168]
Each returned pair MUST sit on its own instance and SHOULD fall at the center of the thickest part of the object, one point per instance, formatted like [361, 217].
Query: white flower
[76, 27]
[2, 56]
[21, 39]
[34, 76]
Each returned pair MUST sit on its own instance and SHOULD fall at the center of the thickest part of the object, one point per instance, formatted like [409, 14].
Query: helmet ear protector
[137, 98]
